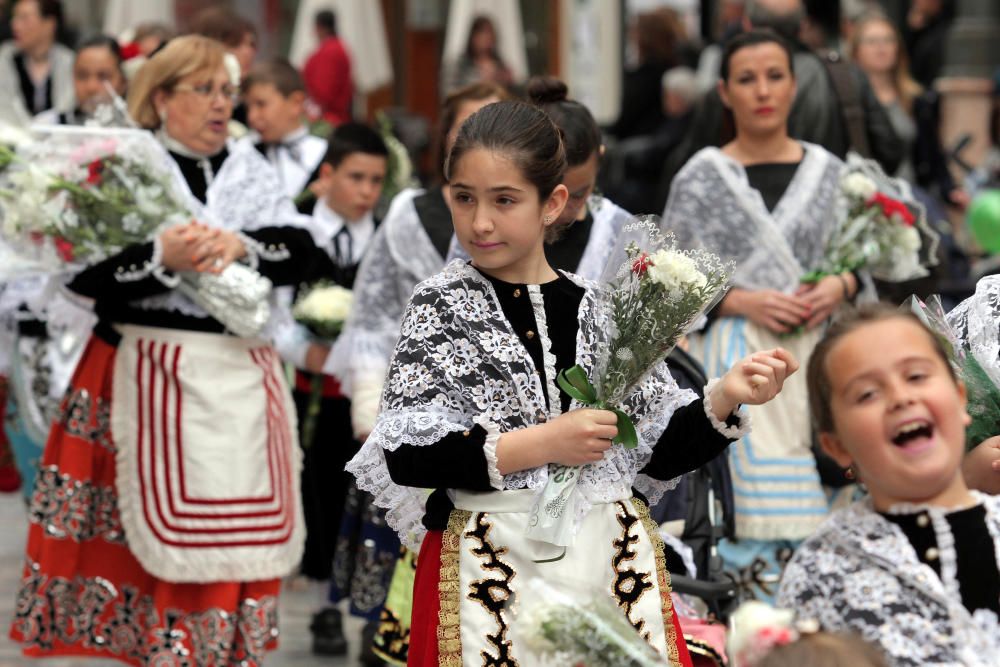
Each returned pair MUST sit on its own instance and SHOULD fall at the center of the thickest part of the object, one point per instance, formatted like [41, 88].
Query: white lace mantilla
[713, 206]
[400, 255]
[244, 195]
[458, 363]
[860, 574]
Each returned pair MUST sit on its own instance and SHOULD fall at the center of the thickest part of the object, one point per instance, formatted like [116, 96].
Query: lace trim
[946, 553]
[152, 267]
[662, 580]
[449, 591]
[548, 358]
[732, 432]
[257, 251]
[490, 449]
[741, 430]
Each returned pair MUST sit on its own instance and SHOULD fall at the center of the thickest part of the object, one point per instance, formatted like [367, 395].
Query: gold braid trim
[662, 580]
[449, 632]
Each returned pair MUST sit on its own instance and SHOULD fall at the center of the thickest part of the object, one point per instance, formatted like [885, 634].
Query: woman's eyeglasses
[208, 92]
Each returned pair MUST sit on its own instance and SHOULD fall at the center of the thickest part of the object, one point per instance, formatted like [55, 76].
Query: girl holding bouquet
[766, 202]
[472, 409]
[167, 505]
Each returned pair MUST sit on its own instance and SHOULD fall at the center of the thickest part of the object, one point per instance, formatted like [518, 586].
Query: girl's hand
[981, 466]
[824, 296]
[316, 357]
[580, 436]
[775, 311]
[753, 381]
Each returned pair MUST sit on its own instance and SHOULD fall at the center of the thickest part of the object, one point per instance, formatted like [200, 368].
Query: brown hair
[825, 649]
[906, 86]
[279, 73]
[222, 24]
[658, 33]
[817, 379]
[521, 132]
[180, 58]
[475, 92]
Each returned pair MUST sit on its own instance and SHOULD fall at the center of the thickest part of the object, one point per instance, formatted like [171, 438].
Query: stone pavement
[296, 608]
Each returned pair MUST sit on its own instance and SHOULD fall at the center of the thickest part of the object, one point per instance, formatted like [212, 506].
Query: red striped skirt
[83, 592]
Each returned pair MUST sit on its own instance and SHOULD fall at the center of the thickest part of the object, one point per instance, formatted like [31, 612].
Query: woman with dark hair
[35, 70]
[481, 60]
[766, 202]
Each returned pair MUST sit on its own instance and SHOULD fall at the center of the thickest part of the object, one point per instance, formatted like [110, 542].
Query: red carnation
[892, 206]
[641, 264]
[64, 249]
[94, 171]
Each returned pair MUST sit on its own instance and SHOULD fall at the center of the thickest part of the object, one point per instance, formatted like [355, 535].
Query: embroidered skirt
[470, 576]
[365, 558]
[84, 593]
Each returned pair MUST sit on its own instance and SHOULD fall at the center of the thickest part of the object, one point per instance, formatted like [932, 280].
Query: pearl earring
[162, 113]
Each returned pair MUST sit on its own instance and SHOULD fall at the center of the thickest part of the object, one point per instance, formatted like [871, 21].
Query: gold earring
[547, 219]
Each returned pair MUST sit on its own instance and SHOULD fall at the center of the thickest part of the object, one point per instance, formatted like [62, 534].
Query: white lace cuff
[490, 449]
[736, 432]
[153, 267]
[257, 251]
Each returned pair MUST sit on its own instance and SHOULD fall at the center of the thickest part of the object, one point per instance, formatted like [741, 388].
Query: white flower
[132, 223]
[858, 185]
[325, 304]
[675, 271]
[147, 199]
[909, 239]
[70, 219]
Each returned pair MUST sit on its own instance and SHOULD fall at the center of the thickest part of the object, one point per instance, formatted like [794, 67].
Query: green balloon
[984, 220]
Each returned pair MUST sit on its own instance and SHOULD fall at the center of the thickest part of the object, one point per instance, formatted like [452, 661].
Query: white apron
[207, 456]
[486, 563]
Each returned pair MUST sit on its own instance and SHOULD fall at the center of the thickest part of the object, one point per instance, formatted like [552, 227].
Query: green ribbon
[575, 383]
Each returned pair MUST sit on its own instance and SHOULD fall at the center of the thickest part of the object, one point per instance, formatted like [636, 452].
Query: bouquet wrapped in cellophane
[982, 381]
[884, 230]
[653, 292]
[74, 196]
[558, 630]
[322, 310]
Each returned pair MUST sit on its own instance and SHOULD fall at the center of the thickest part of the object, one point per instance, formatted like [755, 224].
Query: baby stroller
[696, 516]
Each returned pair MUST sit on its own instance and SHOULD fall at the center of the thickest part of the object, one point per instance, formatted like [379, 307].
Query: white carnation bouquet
[884, 231]
[653, 292]
[75, 196]
[557, 628]
[323, 310]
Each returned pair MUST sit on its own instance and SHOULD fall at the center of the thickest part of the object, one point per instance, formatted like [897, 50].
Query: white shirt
[331, 233]
[345, 241]
[295, 158]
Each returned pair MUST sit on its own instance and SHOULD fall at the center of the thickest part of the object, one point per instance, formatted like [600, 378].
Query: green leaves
[575, 383]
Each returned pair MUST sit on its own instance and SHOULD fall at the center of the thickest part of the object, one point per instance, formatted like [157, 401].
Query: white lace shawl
[244, 195]
[976, 322]
[458, 363]
[399, 256]
[859, 573]
[713, 206]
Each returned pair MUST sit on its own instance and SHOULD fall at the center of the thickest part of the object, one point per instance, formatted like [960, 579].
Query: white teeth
[910, 428]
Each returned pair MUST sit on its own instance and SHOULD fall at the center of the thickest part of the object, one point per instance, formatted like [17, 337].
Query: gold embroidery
[629, 584]
[449, 639]
[662, 580]
[494, 594]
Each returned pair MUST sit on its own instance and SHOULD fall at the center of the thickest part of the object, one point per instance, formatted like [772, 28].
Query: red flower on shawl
[64, 249]
[892, 207]
[641, 264]
[94, 171]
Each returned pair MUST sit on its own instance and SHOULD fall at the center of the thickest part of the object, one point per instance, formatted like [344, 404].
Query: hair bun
[547, 90]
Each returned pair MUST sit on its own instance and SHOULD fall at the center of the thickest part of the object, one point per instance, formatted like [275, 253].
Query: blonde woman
[167, 505]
